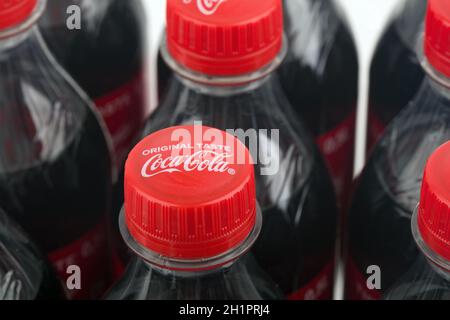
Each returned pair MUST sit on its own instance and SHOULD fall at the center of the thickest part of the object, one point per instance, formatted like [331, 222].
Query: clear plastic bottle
[229, 83]
[389, 187]
[106, 57]
[429, 277]
[395, 74]
[319, 76]
[24, 272]
[55, 162]
[191, 217]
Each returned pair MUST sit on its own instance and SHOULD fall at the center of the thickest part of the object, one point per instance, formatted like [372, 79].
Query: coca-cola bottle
[389, 187]
[395, 73]
[191, 217]
[55, 163]
[24, 272]
[229, 82]
[429, 277]
[320, 79]
[105, 56]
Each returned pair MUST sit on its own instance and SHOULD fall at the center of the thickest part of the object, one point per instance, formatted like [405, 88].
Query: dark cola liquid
[395, 73]
[290, 250]
[84, 162]
[62, 205]
[296, 246]
[106, 58]
[388, 192]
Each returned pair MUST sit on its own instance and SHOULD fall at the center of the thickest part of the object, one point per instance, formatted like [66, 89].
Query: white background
[367, 19]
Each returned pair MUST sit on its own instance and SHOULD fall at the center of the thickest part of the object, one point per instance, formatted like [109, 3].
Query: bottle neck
[222, 86]
[190, 268]
[182, 274]
[222, 91]
[438, 263]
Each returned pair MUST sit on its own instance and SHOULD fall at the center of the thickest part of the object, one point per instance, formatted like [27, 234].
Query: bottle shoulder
[388, 189]
[398, 160]
[241, 281]
[282, 147]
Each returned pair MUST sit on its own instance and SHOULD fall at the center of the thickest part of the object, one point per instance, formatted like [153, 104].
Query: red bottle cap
[14, 12]
[437, 35]
[224, 37]
[434, 207]
[190, 192]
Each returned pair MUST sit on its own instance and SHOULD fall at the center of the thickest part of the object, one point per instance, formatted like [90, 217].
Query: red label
[375, 129]
[123, 113]
[319, 288]
[338, 148]
[356, 285]
[89, 253]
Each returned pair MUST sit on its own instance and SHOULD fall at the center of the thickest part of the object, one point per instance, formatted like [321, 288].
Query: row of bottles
[58, 160]
[409, 116]
[62, 169]
[242, 178]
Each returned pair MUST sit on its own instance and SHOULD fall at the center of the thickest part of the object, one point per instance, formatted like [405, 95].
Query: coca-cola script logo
[207, 7]
[202, 160]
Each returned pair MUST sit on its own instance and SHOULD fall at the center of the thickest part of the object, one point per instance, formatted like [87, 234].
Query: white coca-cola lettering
[200, 161]
[207, 7]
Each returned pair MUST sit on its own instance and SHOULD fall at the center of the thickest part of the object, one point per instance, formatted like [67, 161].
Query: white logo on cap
[200, 161]
[207, 7]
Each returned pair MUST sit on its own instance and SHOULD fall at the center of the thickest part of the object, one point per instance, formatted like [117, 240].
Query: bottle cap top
[224, 37]
[190, 193]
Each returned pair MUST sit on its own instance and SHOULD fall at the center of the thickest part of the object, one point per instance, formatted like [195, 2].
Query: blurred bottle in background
[55, 162]
[320, 79]
[106, 57]
[196, 221]
[389, 187]
[395, 74]
[24, 272]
